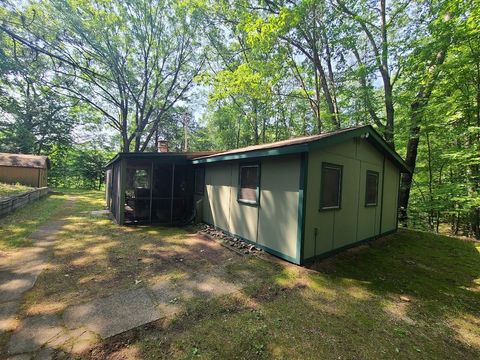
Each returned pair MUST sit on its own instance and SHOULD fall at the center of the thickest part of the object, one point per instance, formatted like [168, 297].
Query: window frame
[202, 169]
[340, 185]
[377, 175]
[245, 201]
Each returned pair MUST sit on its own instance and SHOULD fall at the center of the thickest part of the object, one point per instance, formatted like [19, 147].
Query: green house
[297, 199]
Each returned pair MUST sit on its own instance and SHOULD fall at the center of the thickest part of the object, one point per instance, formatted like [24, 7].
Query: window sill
[248, 202]
[330, 208]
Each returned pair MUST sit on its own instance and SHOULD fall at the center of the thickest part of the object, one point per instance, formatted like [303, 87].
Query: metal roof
[24, 160]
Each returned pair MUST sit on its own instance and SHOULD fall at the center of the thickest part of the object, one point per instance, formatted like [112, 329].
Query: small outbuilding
[298, 199]
[31, 170]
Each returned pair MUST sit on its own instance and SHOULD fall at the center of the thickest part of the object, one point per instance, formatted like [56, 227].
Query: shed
[298, 199]
[31, 170]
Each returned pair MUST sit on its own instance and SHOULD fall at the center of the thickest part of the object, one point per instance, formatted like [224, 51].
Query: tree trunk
[416, 108]
[390, 112]
[411, 160]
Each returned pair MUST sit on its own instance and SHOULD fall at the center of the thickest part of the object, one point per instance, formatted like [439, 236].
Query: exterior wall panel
[329, 230]
[390, 205]
[243, 217]
[368, 217]
[218, 181]
[279, 202]
[272, 224]
[26, 176]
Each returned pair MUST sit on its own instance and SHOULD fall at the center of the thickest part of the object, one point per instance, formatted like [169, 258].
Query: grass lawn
[15, 228]
[346, 307]
[12, 189]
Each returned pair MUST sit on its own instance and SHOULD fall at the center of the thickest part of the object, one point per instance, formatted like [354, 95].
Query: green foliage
[79, 167]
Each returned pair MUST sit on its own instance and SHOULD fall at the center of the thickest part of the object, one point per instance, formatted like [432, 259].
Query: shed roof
[159, 155]
[24, 161]
[305, 143]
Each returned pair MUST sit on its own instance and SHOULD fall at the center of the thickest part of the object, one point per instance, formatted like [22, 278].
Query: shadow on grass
[433, 269]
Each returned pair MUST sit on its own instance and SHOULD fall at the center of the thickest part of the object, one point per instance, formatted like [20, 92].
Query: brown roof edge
[282, 143]
[24, 160]
[303, 144]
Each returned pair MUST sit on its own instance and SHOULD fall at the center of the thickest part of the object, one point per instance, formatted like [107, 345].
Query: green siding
[368, 217]
[278, 217]
[216, 206]
[273, 224]
[353, 222]
[243, 217]
[390, 204]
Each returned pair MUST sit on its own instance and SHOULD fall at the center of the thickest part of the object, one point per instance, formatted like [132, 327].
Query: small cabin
[30, 170]
[297, 199]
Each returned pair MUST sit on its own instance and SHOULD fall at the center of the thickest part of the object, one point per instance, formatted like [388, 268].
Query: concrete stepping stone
[114, 314]
[34, 332]
[12, 286]
[100, 213]
[82, 340]
[7, 316]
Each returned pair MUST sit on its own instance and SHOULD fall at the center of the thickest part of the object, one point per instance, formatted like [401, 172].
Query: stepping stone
[114, 314]
[7, 316]
[100, 213]
[12, 286]
[21, 261]
[34, 332]
[166, 297]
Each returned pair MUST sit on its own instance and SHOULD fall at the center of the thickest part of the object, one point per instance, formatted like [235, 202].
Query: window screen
[330, 194]
[371, 193]
[199, 180]
[248, 187]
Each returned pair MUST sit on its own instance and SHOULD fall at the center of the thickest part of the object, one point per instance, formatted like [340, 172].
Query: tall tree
[132, 61]
[447, 26]
[33, 119]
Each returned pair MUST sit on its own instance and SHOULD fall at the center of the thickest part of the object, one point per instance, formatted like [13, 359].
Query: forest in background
[84, 79]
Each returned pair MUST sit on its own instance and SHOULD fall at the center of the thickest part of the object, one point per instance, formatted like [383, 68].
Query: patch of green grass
[15, 227]
[12, 189]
